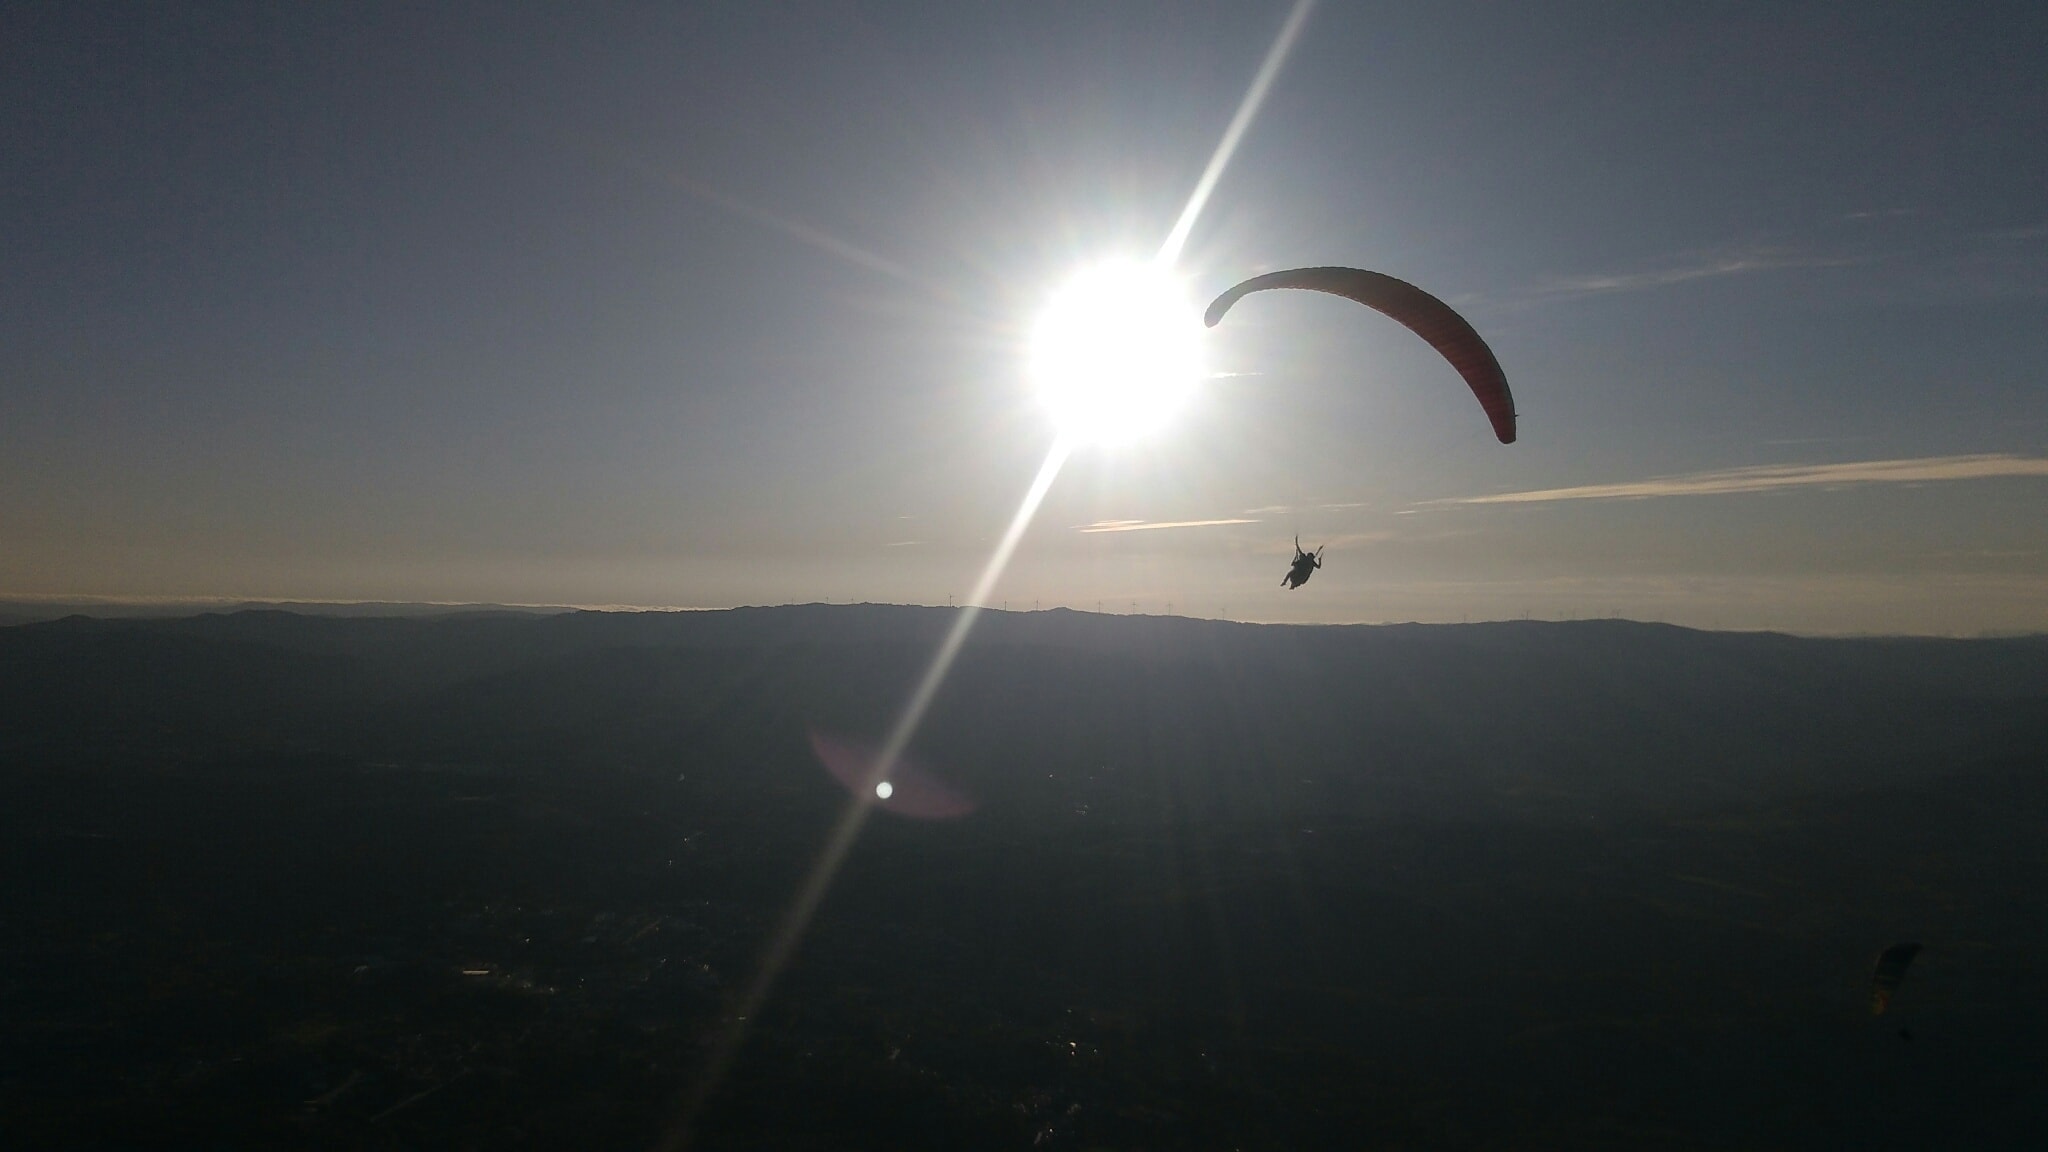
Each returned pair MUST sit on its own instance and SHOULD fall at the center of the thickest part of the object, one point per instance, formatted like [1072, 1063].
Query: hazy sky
[659, 305]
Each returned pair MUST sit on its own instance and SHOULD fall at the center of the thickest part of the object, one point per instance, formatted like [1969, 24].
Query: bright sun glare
[1117, 352]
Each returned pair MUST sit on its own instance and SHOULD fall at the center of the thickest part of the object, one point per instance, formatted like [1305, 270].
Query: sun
[1117, 352]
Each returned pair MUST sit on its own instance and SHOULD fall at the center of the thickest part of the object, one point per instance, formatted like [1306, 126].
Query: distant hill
[31, 611]
[1532, 719]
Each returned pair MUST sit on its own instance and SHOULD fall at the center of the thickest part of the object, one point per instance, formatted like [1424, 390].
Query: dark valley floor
[493, 881]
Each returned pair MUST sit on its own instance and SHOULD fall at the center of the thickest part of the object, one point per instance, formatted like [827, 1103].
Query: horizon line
[642, 609]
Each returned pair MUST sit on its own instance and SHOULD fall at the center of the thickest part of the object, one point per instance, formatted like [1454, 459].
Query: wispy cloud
[1789, 441]
[1151, 525]
[1770, 477]
[1878, 214]
[795, 229]
[1340, 541]
[1702, 267]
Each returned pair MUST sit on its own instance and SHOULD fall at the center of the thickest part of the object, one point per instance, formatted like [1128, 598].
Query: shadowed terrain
[489, 880]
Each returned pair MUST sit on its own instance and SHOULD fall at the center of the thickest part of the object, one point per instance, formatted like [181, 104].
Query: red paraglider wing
[1423, 314]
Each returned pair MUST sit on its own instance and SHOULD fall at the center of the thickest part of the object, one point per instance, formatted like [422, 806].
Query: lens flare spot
[883, 790]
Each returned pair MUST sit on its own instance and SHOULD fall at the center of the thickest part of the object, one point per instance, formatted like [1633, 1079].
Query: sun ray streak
[790, 931]
[1247, 109]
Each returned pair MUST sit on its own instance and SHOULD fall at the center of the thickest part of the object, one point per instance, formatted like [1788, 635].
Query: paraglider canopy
[1423, 314]
[1889, 970]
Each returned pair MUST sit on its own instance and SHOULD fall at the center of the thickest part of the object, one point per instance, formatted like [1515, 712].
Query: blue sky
[647, 304]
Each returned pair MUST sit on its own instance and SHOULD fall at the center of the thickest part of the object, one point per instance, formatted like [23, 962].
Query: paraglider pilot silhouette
[1305, 565]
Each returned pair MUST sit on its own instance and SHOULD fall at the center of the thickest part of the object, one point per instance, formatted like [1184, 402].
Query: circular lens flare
[1117, 352]
[884, 790]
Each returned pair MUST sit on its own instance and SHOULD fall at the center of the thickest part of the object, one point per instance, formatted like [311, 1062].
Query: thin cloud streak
[796, 230]
[1705, 269]
[1771, 477]
[1150, 525]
